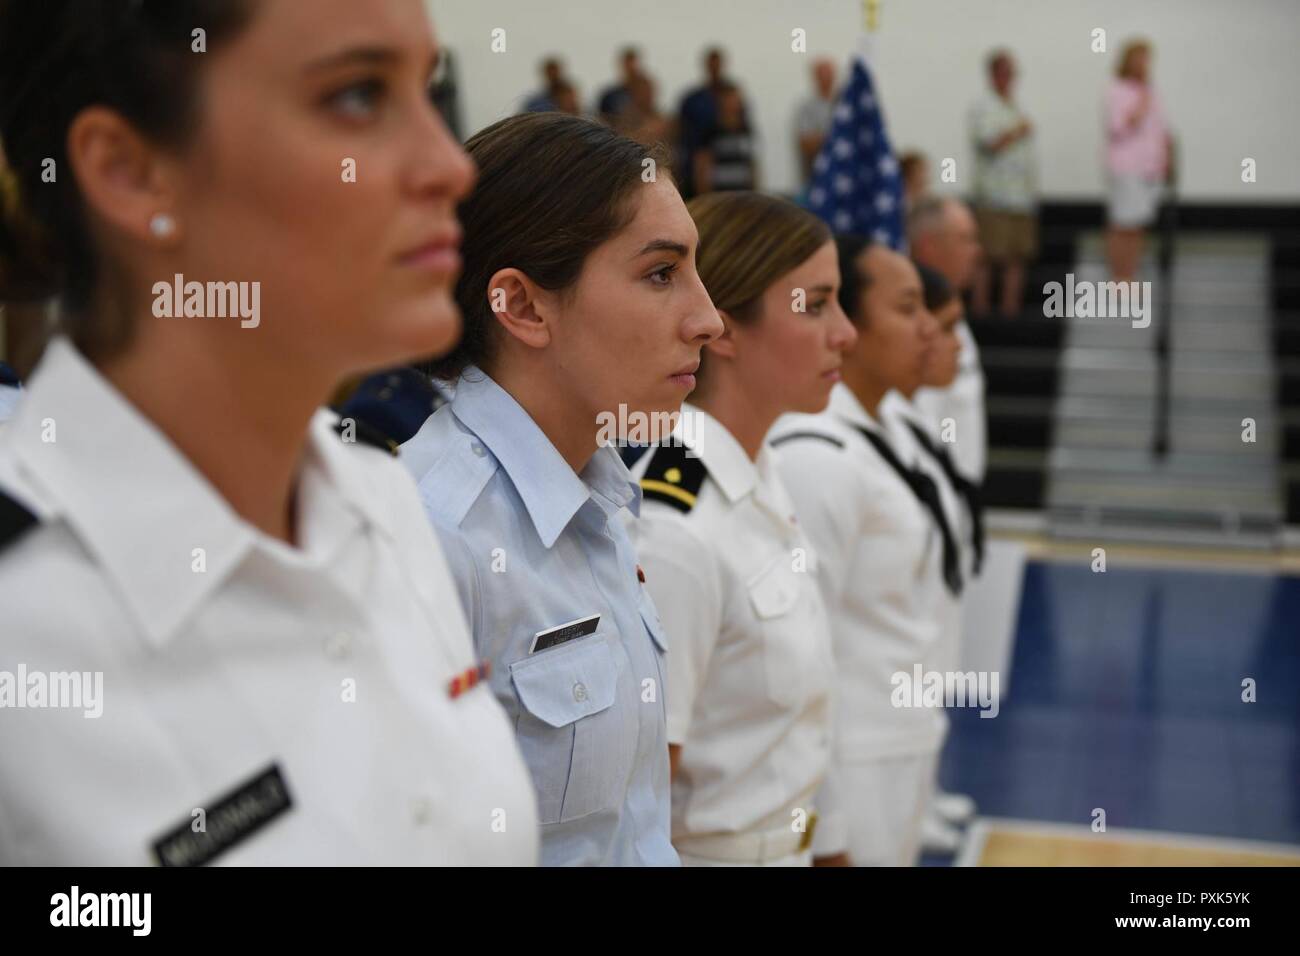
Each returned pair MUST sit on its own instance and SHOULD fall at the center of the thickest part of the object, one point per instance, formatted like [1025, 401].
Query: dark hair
[551, 188]
[854, 280]
[58, 57]
[994, 57]
[909, 162]
[936, 290]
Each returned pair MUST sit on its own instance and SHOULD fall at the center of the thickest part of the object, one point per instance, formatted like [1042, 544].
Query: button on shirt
[224, 652]
[749, 685]
[533, 546]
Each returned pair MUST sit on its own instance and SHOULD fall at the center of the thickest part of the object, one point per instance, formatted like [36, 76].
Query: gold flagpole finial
[871, 14]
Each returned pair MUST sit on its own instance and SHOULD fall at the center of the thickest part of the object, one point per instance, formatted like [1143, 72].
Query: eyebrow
[662, 245]
[822, 288]
[372, 55]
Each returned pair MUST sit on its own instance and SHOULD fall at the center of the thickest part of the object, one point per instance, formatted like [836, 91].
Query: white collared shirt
[899, 414]
[881, 568]
[963, 402]
[749, 665]
[224, 652]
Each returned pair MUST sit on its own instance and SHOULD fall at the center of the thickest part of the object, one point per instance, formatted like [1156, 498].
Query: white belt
[760, 847]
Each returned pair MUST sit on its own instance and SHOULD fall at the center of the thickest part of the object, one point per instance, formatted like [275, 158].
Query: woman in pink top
[1137, 158]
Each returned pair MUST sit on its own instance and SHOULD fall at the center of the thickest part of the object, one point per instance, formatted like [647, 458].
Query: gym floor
[1126, 696]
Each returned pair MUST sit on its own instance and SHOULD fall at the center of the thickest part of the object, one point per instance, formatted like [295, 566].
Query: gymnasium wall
[1228, 72]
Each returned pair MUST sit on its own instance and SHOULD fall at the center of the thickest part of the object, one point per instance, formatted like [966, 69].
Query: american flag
[855, 185]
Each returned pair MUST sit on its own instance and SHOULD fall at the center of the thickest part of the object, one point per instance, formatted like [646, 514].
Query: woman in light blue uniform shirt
[582, 306]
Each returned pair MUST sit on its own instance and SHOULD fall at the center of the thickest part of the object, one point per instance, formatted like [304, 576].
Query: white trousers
[884, 802]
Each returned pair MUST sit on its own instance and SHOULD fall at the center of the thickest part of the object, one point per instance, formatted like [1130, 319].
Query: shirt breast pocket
[570, 728]
[774, 597]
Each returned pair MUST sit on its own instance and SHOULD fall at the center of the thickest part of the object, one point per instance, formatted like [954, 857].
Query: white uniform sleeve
[683, 578]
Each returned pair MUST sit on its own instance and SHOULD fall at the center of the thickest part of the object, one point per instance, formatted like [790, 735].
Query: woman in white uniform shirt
[749, 690]
[962, 508]
[251, 612]
[888, 556]
[582, 306]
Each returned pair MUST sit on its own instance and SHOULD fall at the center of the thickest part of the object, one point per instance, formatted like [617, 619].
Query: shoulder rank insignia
[354, 430]
[673, 478]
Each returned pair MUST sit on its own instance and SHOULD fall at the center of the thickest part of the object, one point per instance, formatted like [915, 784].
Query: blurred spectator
[699, 117]
[543, 101]
[1137, 158]
[1006, 182]
[943, 235]
[641, 119]
[615, 99]
[727, 157]
[915, 170]
[565, 98]
[813, 119]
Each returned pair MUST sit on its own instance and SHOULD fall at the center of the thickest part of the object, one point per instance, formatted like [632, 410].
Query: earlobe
[120, 178]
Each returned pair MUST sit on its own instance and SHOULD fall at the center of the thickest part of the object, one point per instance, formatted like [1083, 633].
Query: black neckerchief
[968, 489]
[927, 492]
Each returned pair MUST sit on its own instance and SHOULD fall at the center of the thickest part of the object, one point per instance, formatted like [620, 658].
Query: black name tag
[564, 633]
[230, 819]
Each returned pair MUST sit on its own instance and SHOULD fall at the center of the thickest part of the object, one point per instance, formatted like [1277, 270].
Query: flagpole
[870, 21]
[871, 14]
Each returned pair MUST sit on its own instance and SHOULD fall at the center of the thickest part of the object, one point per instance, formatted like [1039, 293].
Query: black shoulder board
[367, 434]
[818, 436]
[14, 520]
[673, 477]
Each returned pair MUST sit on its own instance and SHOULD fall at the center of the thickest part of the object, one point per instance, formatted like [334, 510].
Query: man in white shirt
[813, 119]
[1005, 193]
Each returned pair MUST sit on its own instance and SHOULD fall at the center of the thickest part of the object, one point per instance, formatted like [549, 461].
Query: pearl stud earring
[162, 225]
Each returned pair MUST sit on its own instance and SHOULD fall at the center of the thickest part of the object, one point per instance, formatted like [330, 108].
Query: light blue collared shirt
[532, 546]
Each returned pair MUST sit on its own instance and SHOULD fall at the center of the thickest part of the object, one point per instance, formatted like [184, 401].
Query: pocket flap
[773, 593]
[652, 622]
[566, 684]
